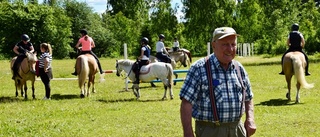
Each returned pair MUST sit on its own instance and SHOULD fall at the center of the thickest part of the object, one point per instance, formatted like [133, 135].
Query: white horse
[160, 70]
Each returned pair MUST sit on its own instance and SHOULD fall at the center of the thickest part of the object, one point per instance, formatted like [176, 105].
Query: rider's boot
[74, 73]
[307, 69]
[281, 73]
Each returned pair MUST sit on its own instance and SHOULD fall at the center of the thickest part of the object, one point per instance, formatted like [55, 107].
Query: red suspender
[211, 91]
[243, 89]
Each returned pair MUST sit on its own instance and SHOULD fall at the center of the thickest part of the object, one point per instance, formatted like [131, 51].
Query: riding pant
[163, 57]
[17, 63]
[137, 69]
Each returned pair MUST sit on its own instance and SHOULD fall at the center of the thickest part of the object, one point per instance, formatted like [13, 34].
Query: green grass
[114, 112]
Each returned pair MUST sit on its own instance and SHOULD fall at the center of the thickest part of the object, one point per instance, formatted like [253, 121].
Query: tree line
[266, 23]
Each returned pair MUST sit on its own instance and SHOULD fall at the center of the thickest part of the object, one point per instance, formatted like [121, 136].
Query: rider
[160, 48]
[296, 43]
[20, 49]
[143, 59]
[175, 45]
[87, 44]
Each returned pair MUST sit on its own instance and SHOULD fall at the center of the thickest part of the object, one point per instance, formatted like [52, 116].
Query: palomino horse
[150, 72]
[294, 64]
[181, 55]
[86, 66]
[25, 73]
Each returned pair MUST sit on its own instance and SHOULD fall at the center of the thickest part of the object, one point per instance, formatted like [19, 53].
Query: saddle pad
[145, 69]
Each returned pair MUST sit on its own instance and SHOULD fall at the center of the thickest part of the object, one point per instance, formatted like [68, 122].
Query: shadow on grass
[129, 100]
[61, 97]
[144, 87]
[277, 102]
[10, 99]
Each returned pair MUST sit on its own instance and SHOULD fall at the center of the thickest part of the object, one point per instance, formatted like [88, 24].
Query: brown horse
[86, 66]
[294, 64]
[25, 73]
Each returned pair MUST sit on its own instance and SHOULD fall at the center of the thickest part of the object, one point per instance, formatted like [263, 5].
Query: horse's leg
[25, 90]
[298, 92]
[33, 95]
[165, 81]
[288, 79]
[175, 74]
[152, 84]
[83, 90]
[93, 87]
[170, 89]
[137, 92]
[16, 85]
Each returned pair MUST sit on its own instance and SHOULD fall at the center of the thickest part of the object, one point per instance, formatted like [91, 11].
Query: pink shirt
[86, 44]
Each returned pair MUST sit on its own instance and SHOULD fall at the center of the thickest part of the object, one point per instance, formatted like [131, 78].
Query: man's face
[225, 49]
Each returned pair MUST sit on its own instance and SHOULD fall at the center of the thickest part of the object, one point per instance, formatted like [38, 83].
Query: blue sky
[100, 5]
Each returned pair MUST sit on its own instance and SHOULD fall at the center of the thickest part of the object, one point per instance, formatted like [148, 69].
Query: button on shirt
[227, 89]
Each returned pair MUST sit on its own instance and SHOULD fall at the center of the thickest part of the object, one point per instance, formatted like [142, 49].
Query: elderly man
[217, 92]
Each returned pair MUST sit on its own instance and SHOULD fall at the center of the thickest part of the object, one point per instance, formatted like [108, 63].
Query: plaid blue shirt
[227, 89]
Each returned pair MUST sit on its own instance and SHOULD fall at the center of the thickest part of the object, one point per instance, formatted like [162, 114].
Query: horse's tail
[299, 72]
[84, 70]
[170, 73]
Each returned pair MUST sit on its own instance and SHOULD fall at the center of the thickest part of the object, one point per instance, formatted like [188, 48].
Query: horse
[86, 66]
[181, 55]
[160, 70]
[294, 64]
[25, 73]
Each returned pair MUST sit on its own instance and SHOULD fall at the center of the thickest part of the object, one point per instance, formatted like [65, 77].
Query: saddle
[143, 69]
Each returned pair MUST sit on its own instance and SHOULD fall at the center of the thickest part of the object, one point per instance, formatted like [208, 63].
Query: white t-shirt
[176, 44]
[160, 46]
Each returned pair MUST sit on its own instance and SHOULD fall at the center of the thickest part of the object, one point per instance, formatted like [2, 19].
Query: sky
[100, 6]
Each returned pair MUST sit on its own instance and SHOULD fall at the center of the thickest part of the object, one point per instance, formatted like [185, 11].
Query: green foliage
[264, 23]
[39, 22]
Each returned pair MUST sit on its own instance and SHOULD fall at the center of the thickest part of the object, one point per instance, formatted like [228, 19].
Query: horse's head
[119, 70]
[32, 57]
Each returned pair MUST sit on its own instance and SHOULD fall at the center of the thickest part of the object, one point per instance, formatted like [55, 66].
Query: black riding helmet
[295, 27]
[84, 32]
[161, 36]
[25, 37]
[145, 40]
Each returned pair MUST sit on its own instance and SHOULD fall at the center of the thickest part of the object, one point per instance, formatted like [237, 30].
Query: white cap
[223, 32]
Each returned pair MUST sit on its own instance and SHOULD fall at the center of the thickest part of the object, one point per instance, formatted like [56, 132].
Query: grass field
[114, 112]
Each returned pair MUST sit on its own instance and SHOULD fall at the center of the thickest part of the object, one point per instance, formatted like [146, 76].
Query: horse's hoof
[81, 95]
[171, 98]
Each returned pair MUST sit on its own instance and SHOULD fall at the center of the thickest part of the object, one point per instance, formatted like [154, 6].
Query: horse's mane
[126, 62]
[31, 56]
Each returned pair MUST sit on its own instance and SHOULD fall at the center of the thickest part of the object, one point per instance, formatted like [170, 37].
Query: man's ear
[213, 44]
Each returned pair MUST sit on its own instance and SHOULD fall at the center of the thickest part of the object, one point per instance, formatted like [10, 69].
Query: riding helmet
[145, 40]
[25, 37]
[161, 36]
[295, 27]
[84, 32]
